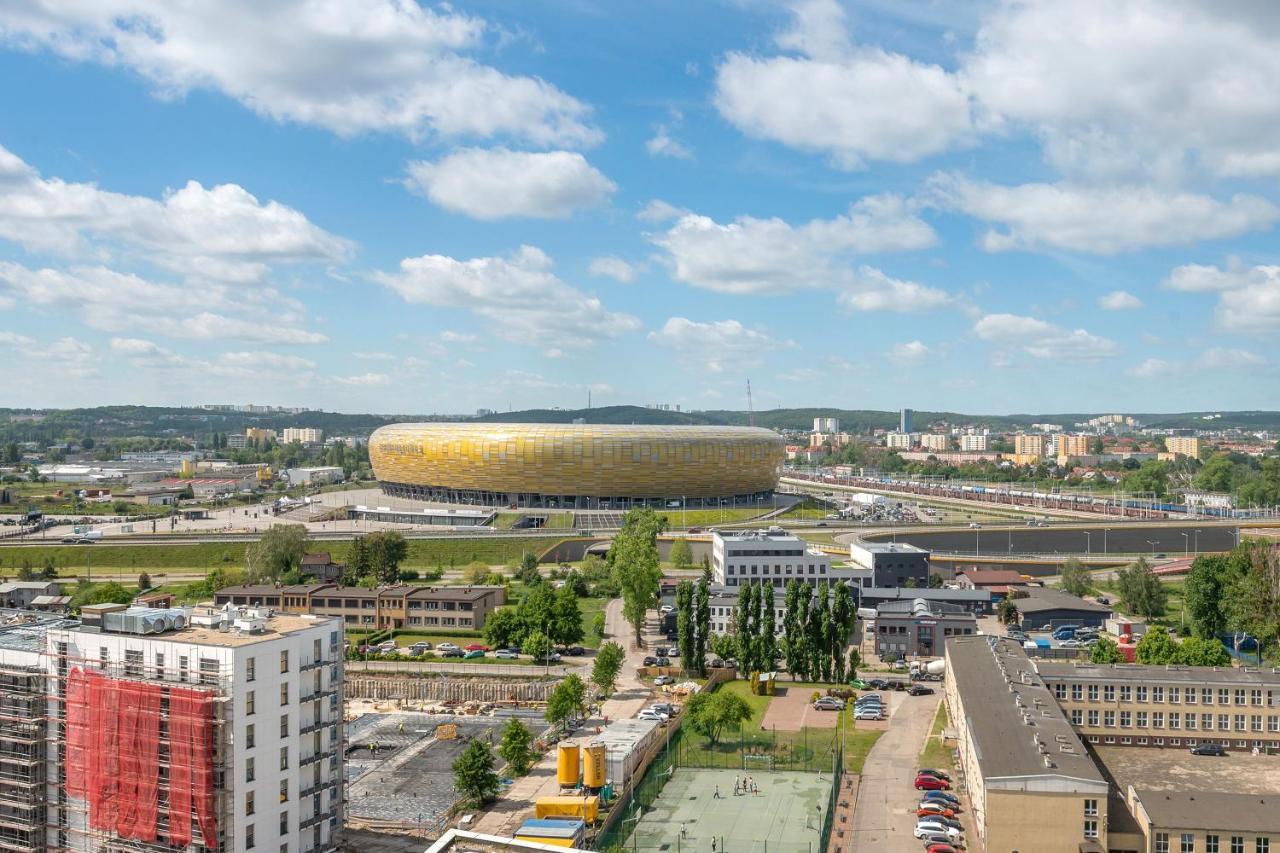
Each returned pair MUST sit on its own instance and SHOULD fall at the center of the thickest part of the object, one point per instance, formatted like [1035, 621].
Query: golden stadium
[584, 466]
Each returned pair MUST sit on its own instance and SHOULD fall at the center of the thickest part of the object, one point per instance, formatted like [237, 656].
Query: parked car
[878, 684]
[942, 847]
[447, 647]
[1208, 749]
[942, 796]
[650, 660]
[859, 684]
[454, 652]
[874, 702]
[869, 714]
[664, 661]
[931, 783]
[388, 646]
[575, 651]
[664, 679]
[660, 651]
[476, 647]
[919, 690]
[419, 648]
[506, 654]
[673, 652]
[473, 654]
[931, 827]
[650, 714]
[929, 771]
[716, 663]
[932, 809]
[828, 703]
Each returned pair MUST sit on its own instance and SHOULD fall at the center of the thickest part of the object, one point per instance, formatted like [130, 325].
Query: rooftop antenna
[751, 412]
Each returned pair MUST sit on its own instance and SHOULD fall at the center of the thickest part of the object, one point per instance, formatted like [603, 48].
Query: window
[1187, 843]
[1191, 696]
[1237, 844]
[1109, 718]
[1142, 719]
[1224, 695]
[1126, 719]
[1157, 694]
[1093, 717]
[1206, 695]
[284, 725]
[1239, 719]
[284, 694]
[1126, 693]
[1239, 695]
[249, 736]
[1162, 842]
[209, 670]
[1093, 693]
[1077, 692]
[1077, 717]
[284, 758]
[1059, 691]
[1157, 719]
[1211, 844]
[250, 669]
[1090, 829]
[1109, 693]
[248, 769]
[248, 803]
[250, 703]
[284, 823]
[284, 790]
[1090, 808]
[1262, 845]
[284, 661]
[249, 842]
[1142, 693]
[160, 663]
[1255, 697]
[1175, 695]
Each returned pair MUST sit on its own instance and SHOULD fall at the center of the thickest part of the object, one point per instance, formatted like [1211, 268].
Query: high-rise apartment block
[973, 442]
[1072, 445]
[905, 418]
[1186, 445]
[1028, 444]
[258, 434]
[934, 441]
[826, 424]
[900, 440]
[170, 730]
[303, 435]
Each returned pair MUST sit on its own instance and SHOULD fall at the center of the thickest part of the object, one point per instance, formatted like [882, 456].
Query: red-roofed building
[996, 581]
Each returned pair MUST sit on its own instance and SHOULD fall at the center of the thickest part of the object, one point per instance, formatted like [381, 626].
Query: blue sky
[379, 206]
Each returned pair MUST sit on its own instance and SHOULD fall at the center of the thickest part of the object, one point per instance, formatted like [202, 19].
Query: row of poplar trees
[693, 625]
[815, 629]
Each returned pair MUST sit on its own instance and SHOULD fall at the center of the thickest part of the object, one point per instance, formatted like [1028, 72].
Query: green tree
[681, 553]
[935, 581]
[359, 562]
[843, 616]
[702, 626]
[1076, 578]
[566, 617]
[1202, 651]
[604, 672]
[110, 592]
[387, 549]
[743, 629]
[793, 624]
[528, 573]
[707, 574]
[597, 626]
[144, 582]
[278, 552]
[635, 563]
[1218, 474]
[26, 572]
[1205, 591]
[516, 747]
[538, 610]
[1106, 651]
[1156, 647]
[1254, 596]
[473, 774]
[1007, 612]
[709, 714]
[566, 700]
[1151, 476]
[767, 631]
[475, 572]
[537, 645]
[684, 622]
[504, 629]
[854, 660]
[1141, 592]
[820, 635]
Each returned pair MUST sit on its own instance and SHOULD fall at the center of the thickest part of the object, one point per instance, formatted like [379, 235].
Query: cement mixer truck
[928, 670]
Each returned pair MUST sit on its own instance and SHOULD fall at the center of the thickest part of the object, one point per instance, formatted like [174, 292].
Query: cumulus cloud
[715, 345]
[222, 233]
[13, 339]
[614, 268]
[663, 144]
[351, 67]
[657, 210]
[1101, 220]
[526, 302]
[912, 352]
[1119, 300]
[872, 290]
[753, 256]
[499, 183]
[1041, 339]
[1229, 358]
[1248, 296]
[1151, 368]
[365, 380]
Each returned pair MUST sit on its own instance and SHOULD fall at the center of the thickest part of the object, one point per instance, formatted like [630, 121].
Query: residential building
[976, 601]
[1029, 444]
[971, 443]
[19, 595]
[999, 582]
[1189, 446]
[236, 441]
[934, 441]
[1066, 444]
[259, 435]
[321, 567]
[1032, 785]
[318, 474]
[388, 607]
[211, 487]
[826, 425]
[919, 627]
[901, 440]
[770, 556]
[1041, 606]
[1169, 706]
[879, 564]
[145, 729]
[723, 606]
[905, 418]
[303, 435]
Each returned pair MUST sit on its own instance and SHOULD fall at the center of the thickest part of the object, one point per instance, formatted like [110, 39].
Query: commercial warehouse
[580, 466]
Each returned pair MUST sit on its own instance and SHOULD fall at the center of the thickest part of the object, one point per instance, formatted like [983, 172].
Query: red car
[477, 647]
[930, 810]
[932, 783]
[941, 848]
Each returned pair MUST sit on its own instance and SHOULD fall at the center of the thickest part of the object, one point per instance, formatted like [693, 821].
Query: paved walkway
[884, 817]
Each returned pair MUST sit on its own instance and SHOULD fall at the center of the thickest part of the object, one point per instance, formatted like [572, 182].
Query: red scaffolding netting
[113, 756]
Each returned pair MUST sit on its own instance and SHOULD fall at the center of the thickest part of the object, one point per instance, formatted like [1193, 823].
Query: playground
[697, 810]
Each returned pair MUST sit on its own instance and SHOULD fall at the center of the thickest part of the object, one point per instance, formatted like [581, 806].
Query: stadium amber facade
[584, 466]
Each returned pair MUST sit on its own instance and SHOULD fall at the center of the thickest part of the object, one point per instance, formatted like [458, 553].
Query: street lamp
[1197, 540]
[1186, 545]
[1088, 542]
[1153, 547]
[1105, 531]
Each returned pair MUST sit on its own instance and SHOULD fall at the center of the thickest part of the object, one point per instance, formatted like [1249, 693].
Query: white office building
[770, 556]
[171, 730]
[305, 435]
[901, 440]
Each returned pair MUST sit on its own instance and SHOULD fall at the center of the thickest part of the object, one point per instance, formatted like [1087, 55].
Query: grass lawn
[555, 520]
[590, 607]
[677, 519]
[934, 753]
[857, 746]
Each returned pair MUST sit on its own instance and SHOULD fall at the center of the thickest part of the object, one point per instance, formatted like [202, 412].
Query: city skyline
[1004, 210]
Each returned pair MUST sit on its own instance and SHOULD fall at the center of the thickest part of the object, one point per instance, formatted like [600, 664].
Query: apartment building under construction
[198, 730]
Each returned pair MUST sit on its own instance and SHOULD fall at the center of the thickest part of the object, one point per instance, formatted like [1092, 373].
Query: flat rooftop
[1177, 770]
[24, 630]
[1134, 673]
[1039, 599]
[276, 625]
[889, 548]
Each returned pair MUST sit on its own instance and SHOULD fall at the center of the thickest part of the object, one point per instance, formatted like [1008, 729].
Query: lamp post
[1088, 542]
[1197, 541]
[1186, 545]
[1153, 547]
[1105, 531]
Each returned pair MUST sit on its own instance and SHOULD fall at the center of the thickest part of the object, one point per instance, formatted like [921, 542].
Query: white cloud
[913, 352]
[1135, 86]
[13, 339]
[657, 210]
[365, 380]
[1248, 296]
[663, 144]
[1119, 300]
[373, 356]
[1226, 358]
[350, 67]
[221, 233]
[520, 294]
[253, 360]
[614, 268]
[713, 346]
[854, 103]
[1101, 220]
[872, 290]
[119, 302]
[1041, 339]
[451, 337]
[1151, 368]
[498, 183]
[755, 256]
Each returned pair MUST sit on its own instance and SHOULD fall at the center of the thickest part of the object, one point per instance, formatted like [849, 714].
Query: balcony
[315, 664]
